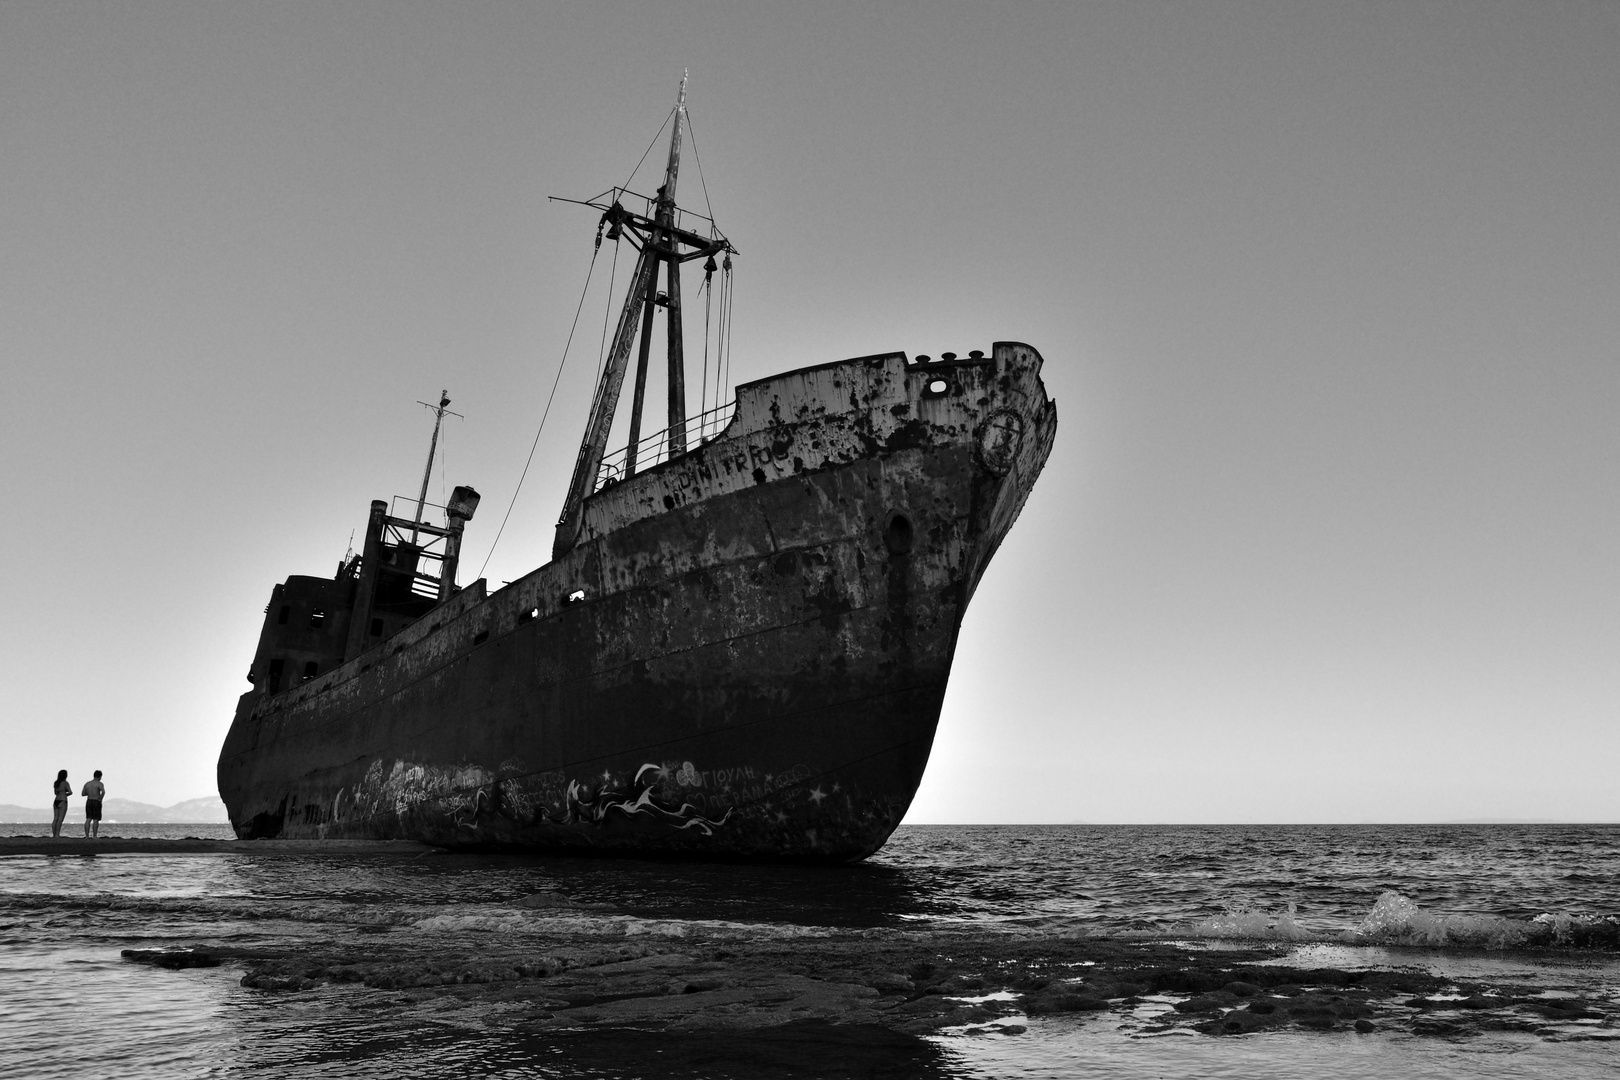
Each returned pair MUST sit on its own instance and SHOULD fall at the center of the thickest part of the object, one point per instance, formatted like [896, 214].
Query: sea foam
[1246, 923]
[1397, 920]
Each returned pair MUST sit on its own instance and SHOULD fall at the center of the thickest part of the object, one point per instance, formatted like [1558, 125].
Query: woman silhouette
[59, 808]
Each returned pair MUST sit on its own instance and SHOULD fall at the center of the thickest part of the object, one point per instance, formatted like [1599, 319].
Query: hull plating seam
[346, 717]
[272, 706]
[647, 749]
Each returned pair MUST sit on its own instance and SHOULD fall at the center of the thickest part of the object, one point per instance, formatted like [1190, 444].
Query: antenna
[440, 411]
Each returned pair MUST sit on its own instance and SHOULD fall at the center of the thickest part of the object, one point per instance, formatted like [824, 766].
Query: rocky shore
[906, 983]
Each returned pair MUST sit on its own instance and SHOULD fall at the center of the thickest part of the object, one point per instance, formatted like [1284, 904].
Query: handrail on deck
[654, 449]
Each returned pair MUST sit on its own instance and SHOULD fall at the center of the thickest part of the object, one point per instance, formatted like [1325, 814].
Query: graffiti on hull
[472, 798]
[481, 803]
[727, 808]
[598, 805]
[571, 802]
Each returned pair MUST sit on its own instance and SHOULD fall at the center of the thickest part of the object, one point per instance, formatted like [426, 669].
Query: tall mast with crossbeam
[440, 410]
[665, 244]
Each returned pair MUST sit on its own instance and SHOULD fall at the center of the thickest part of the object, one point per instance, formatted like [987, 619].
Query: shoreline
[196, 845]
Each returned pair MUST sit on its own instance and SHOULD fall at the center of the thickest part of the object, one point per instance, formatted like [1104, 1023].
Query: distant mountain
[129, 810]
[196, 811]
[206, 810]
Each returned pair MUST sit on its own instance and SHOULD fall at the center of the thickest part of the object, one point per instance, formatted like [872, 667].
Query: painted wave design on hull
[596, 806]
[800, 809]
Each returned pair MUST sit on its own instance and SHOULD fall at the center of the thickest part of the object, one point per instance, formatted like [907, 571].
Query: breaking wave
[1397, 920]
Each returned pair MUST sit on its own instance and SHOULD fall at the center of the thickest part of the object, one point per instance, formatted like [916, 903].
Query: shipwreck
[739, 648]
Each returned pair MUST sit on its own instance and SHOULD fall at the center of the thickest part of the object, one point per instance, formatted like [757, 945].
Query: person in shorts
[94, 791]
[63, 791]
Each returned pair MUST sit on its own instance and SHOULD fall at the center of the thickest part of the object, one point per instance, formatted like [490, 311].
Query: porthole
[938, 386]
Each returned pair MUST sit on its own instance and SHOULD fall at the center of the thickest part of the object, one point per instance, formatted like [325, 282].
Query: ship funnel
[463, 503]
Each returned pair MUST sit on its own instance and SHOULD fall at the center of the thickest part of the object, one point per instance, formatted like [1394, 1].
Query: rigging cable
[547, 412]
[720, 332]
[720, 345]
[731, 306]
[697, 158]
[727, 302]
[703, 400]
[647, 151]
[720, 380]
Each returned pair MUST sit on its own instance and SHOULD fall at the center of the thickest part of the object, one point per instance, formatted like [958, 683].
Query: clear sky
[1329, 295]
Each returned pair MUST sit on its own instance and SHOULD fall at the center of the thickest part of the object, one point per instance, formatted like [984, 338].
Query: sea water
[1478, 902]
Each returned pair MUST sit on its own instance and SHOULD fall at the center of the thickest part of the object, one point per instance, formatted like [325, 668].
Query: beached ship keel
[740, 650]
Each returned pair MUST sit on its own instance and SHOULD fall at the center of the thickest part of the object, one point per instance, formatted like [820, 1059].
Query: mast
[663, 215]
[439, 412]
[672, 316]
[663, 244]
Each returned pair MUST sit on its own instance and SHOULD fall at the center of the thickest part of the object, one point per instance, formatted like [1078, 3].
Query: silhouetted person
[64, 791]
[93, 792]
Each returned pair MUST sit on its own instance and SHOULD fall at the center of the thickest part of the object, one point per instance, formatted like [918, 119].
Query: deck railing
[655, 448]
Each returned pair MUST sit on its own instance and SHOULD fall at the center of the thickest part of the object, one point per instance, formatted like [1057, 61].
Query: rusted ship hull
[744, 655]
